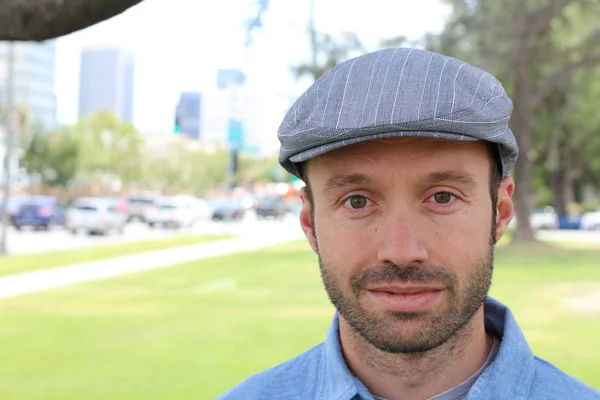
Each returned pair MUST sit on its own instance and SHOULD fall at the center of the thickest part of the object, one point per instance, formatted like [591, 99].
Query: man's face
[404, 230]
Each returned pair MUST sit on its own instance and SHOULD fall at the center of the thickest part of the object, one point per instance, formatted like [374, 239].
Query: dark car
[40, 212]
[272, 207]
[227, 209]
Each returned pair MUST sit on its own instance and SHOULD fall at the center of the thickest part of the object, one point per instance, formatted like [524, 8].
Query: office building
[33, 80]
[106, 82]
[187, 115]
[256, 115]
[229, 78]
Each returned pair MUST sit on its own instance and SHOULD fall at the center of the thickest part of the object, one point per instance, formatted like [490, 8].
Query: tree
[110, 148]
[328, 52]
[517, 41]
[53, 157]
[184, 166]
[38, 20]
[255, 169]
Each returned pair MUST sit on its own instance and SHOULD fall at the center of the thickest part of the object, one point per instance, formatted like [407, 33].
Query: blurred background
[141, 141]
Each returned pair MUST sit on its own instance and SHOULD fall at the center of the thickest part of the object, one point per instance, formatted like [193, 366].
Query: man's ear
[505, 208]
[306, 220]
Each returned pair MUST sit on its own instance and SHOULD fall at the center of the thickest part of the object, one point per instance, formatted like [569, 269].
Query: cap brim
[334, 145]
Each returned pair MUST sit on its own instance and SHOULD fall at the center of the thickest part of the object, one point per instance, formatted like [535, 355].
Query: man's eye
[357, 202]
[443, 197]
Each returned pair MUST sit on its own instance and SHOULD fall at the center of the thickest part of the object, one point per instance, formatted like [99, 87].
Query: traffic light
[177, 128]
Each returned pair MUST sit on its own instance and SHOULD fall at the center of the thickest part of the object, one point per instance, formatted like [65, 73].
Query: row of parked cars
[547, 218]
[101, 215]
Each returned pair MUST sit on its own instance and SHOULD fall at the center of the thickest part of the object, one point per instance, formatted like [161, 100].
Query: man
[406, 157]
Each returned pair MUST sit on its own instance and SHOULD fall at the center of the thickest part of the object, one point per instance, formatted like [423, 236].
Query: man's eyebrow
[463, 178]
[337, 182]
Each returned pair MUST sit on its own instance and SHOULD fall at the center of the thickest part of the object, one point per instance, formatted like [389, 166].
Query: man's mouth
[407, 298]
[405, 289]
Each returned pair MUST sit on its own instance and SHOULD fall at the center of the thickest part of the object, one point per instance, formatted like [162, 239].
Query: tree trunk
[38, 20]
[562, 176]
[522, 124]
[562, 184]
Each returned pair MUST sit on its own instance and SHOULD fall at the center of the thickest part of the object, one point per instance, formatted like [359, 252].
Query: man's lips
[406, 298]
[405, 289]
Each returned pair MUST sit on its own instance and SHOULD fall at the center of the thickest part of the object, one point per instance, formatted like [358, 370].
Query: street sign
[235, 134]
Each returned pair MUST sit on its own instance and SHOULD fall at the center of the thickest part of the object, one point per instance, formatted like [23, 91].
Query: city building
[229, 78]
[187, 115]
[33, 80]
[253, 116]
[106, 82]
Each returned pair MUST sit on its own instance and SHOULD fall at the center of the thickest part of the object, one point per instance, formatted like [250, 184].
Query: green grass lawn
[32, 262]
[193, 331]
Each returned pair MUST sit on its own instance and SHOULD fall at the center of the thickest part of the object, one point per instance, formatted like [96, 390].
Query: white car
[95, 215]
[591, 221]
[545, 218]
[176, 212]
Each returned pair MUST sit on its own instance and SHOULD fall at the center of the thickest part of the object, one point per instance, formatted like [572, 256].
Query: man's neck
[417, 376]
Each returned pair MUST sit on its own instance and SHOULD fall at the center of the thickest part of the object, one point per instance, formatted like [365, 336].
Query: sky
[178, 45]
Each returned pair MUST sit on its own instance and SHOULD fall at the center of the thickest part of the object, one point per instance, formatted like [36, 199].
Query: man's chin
[395, 332]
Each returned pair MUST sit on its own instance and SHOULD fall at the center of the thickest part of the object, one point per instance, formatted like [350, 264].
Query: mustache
[391, 273]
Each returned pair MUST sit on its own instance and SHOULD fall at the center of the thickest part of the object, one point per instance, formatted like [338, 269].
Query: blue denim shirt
[321, 372]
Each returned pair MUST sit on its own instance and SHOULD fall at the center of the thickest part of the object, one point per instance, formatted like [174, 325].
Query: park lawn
[33, 262]
[195, 330]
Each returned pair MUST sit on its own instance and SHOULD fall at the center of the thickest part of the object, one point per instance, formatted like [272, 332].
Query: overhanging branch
[556, 79]
[542, 18]
[37, 20]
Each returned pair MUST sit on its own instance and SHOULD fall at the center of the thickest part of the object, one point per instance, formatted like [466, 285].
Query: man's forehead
[403, 150]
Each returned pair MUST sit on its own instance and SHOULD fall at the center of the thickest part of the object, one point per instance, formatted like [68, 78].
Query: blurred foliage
[54, 158]
[253, 169]
[328, 51]
[101, 149]
[110, 148]
[183, 167]
[546, 53]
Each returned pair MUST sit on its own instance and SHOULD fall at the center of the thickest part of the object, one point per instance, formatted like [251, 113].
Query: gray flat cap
[397, 92]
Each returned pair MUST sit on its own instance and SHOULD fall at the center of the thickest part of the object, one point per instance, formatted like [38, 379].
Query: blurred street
[564, 235]
[28, 241]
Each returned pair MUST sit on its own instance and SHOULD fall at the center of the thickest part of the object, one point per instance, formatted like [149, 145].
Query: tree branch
[591, 42]
[556, 79]
[38, 20]
[541, 19]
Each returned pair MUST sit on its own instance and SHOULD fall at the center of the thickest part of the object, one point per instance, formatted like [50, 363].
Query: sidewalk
[30, 282]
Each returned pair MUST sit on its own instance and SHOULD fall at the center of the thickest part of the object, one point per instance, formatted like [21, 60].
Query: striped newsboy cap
[397, 92]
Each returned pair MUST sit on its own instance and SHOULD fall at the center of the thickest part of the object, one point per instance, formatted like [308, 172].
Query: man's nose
[401, 239]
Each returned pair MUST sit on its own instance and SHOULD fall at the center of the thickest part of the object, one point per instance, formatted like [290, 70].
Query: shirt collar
[510, 375]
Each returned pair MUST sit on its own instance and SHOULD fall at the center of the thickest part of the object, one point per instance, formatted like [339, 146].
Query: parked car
[121, 204]
[137, 206]
[227, 209]
[95, 215]
[39, 212]
[176, 212]
[14, 202]
[540, 219]
[591, 221]
[272, 207]
[544, 218]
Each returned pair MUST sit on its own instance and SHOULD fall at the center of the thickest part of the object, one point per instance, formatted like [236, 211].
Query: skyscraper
[106, 82]
[228, 78]
[33, 83]
[187, 114]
